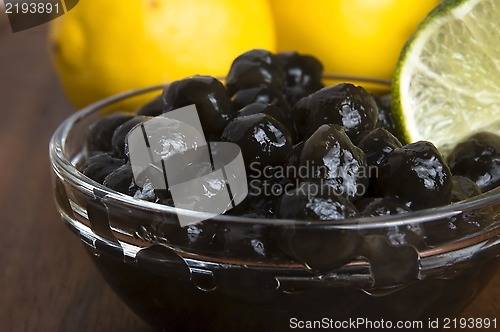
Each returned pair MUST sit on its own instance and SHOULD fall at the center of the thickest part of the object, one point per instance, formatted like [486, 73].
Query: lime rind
[447, 82]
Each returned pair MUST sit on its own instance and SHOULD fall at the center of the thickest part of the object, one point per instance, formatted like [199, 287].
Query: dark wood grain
[47, 283]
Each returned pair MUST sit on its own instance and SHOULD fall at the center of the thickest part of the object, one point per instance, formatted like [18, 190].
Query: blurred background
[47, 72]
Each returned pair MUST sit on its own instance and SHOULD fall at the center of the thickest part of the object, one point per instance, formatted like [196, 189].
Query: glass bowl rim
[65, 169]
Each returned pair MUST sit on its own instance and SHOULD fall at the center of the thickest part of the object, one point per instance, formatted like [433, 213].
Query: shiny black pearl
[209, 96]
[410, 233]
[100, 165]
[246, 240]
[378, 206]
[463, 224]
[313, 200]
[153, 108]
[262, 94]
[121, 180]
[463, 188]
[294, 157]
[100, 134]
[303, 75]
[263, 140]
[317, 247]
[263, 193]
[330, 156]
[345, 104]
[271, 110]
[254, 68]
[417, 175]
[385, 118]
[478, 158]
[120, 134]
[377, 145]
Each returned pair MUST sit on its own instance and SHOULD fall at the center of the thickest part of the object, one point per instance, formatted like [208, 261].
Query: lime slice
[447, 82]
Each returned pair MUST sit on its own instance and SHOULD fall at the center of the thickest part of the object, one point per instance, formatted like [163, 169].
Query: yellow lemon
[101, 48]
[350, 37]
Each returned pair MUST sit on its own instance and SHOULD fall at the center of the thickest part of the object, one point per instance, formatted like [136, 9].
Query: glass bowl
[246, 274]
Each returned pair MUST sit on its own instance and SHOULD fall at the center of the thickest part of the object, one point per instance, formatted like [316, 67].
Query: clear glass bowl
[242, 274]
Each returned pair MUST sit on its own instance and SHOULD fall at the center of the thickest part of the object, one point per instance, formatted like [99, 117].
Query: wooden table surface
[47, 283]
